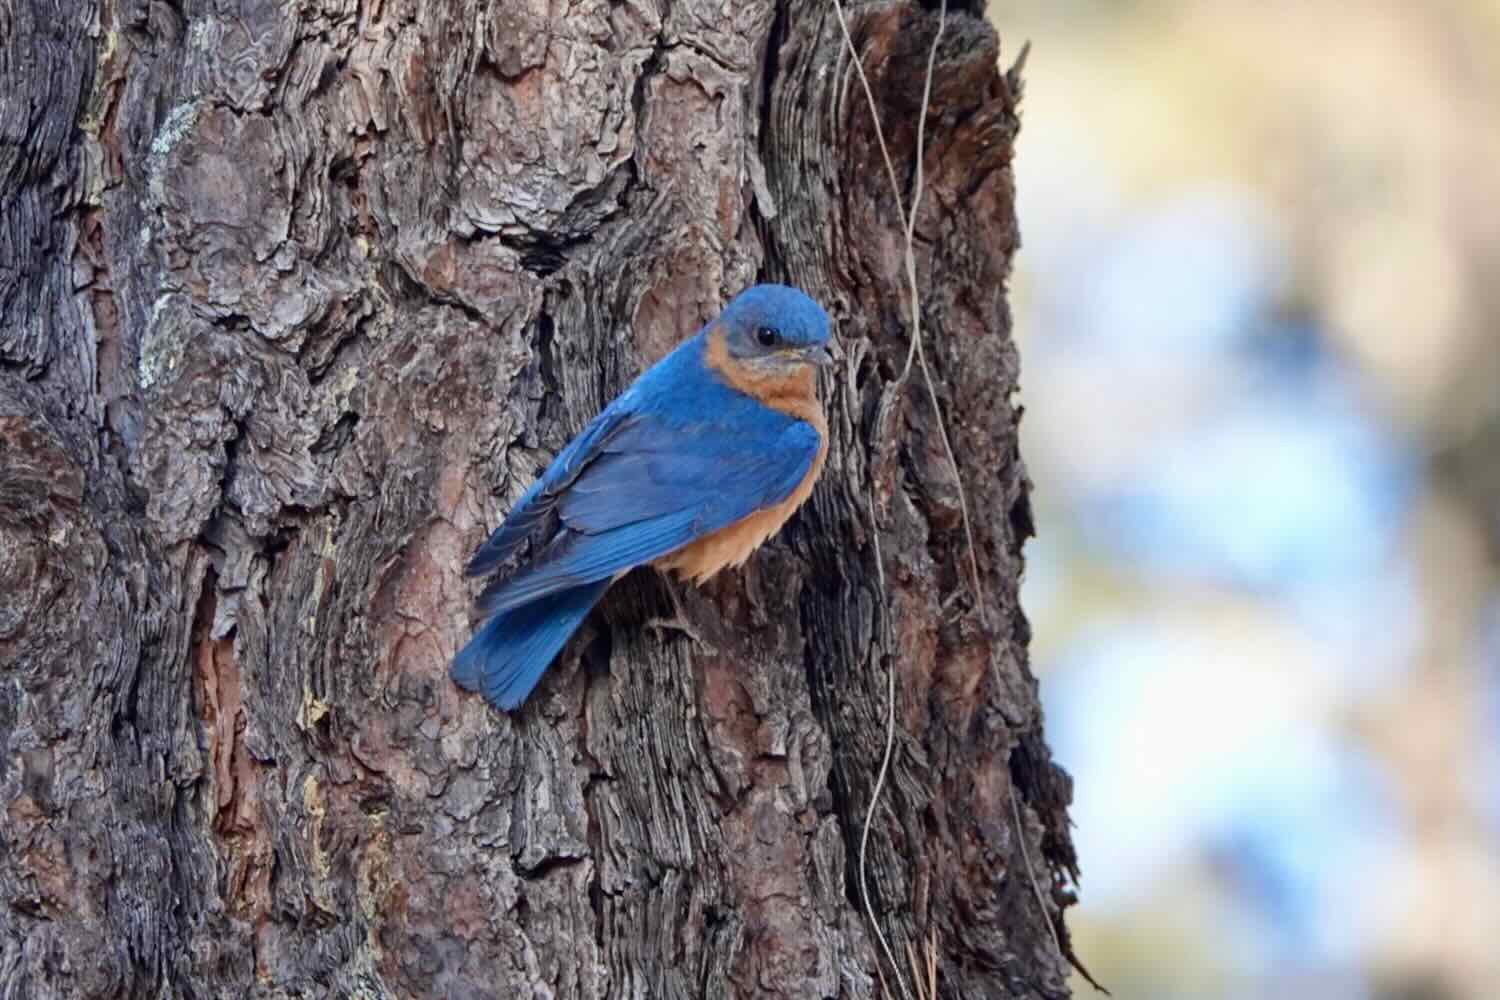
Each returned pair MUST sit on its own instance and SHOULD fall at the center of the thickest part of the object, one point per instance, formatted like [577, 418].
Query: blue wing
[679, 455]
[647, 471]
[537, 504]
[652, 488]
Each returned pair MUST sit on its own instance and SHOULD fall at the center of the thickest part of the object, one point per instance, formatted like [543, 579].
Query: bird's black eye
[766, 336]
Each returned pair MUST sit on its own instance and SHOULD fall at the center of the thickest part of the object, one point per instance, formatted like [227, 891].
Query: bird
[704, 457]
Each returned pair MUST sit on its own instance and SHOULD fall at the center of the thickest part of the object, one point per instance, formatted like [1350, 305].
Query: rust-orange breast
[794, 395]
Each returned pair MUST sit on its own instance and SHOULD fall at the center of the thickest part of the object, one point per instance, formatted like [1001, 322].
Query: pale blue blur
[1248, 573]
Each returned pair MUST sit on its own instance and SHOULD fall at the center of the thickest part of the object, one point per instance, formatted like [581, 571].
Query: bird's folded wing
[649, 490]
[538, 502]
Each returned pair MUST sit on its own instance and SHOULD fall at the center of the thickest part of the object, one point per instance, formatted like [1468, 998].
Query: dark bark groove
[296, 300]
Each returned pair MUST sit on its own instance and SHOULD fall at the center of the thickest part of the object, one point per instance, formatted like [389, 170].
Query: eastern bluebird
[695, 465]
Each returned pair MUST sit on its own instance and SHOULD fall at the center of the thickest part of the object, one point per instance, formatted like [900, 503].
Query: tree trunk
[297, 300]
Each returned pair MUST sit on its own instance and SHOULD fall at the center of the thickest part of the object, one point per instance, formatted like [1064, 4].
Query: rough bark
[296, 300]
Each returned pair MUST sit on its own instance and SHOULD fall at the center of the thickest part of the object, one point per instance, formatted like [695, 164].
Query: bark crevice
[296, 303]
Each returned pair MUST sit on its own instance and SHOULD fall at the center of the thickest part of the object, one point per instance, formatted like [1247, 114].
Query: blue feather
[532, 510]
[573, 560]
[680, 454]
[694, 498]
[507, 657]
[525, 517]
[706, 468]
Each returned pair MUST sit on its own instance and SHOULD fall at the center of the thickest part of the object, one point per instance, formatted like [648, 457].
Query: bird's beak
[818, 355]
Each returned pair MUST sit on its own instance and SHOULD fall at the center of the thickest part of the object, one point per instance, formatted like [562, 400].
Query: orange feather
[796, 396]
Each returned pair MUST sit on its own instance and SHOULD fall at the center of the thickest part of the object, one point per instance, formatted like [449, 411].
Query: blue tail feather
[507, 657]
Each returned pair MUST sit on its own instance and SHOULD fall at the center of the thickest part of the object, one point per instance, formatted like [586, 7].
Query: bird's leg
[677, 622]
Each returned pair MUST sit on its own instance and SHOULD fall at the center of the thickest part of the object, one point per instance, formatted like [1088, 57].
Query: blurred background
[1259, 310]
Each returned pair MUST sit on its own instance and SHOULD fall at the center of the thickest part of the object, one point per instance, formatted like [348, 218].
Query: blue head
[775, 330]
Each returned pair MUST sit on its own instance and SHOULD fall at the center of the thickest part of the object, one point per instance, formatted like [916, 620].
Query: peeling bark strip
[296, 300]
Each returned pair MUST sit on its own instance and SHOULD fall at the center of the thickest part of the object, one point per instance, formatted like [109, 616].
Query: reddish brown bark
[296, 301]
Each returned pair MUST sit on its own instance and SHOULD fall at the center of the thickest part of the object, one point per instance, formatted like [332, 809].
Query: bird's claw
[676, 623]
